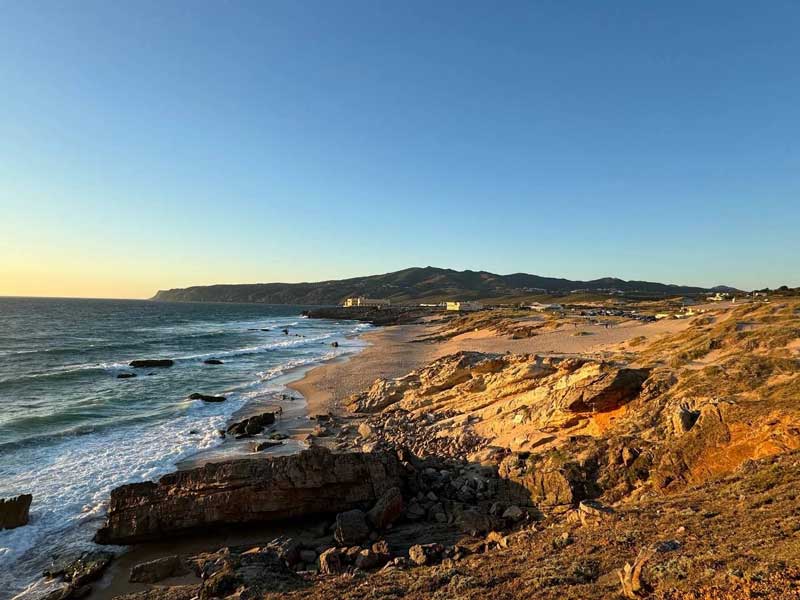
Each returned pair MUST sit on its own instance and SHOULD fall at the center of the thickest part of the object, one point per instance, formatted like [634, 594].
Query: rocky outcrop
[14, 511]
[442, 374]
[462, 403]
[240, 573]
[151, 362]
[206, 397]
[251, 426]
[315, 481]
[550, 479]
[387, 509]
[351, 527]
[159, 569]
[77, 572]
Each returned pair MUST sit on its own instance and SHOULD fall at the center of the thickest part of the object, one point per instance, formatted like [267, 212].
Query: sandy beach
[392, 352]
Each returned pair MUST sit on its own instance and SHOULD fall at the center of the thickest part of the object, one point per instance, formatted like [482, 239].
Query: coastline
[391, 352]
[319, 389]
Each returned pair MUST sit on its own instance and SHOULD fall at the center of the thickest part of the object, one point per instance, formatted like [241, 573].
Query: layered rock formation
[14, 511]
[518, 402]
[315, 481]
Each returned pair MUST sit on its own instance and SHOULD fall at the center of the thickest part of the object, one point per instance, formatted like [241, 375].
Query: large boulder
[550, 479]
[387, 509]
[251, 425]
[315, 481]
[351, 527]
[333, 561]
[14, 511]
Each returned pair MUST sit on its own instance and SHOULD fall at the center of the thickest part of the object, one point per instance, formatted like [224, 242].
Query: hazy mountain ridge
[414, 284]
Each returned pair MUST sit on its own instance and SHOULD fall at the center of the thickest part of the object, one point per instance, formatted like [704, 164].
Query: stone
[287, 549]
[261, 446]
[213, 361]
[159, 569]
[684, 419]
[365, 431]
[527, 480]
[475, 523]
[87, 567]
[592, 512]
[381, 547]
[351, 527]
[332, 561]
[367, 560]
[206, 397]
[313, 482]
[513, 513]
[151, 362]
[321, 431]
[257, 570]
[425, 554]
[251, 426]
[14, 512]
[387, 509]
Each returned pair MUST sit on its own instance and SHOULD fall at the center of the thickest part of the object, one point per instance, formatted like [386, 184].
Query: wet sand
[392, 352]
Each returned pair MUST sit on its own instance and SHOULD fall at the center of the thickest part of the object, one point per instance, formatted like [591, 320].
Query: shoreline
[390, 352]
[294, 419]
[319, 389]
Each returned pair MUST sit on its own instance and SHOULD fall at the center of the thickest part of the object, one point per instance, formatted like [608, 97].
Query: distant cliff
[415, 284]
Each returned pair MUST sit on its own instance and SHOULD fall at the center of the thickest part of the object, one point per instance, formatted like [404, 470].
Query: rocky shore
[638, 474]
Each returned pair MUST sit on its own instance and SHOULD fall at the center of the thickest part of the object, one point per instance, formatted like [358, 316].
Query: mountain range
[422, 284]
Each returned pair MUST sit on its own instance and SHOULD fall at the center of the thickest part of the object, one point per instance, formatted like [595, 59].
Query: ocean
[71, 430]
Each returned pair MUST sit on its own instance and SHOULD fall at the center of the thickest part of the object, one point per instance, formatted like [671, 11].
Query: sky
[148, 145]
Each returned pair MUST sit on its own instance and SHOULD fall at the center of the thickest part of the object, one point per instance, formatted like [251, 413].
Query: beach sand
[392, 352]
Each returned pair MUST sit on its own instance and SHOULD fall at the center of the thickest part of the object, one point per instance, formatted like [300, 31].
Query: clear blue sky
[160, 144]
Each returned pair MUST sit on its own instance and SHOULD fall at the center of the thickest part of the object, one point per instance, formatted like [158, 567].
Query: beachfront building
[362, 301]
[464, 306]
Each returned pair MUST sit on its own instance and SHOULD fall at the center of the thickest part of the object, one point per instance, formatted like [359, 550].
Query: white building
[362, 301]
[719, 297]
[464, 306]
[542, 307]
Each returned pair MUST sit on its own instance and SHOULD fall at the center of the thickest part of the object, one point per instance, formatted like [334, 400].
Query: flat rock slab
[315, 481]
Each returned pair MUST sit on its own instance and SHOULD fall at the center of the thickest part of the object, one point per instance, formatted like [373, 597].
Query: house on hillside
[362, 301]
[463, 306]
